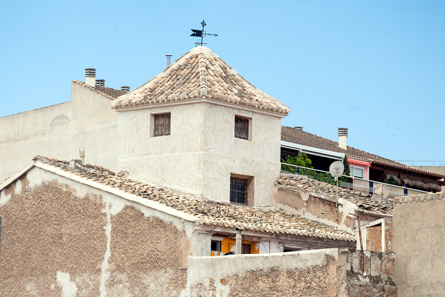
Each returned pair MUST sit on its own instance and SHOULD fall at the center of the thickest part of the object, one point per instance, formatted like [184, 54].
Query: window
[242, 127]
[246, 248]
[356, 171]
[215, 246]
[161, 124]
[238, 190]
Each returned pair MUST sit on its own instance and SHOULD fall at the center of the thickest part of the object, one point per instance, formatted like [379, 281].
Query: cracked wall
[61, 238]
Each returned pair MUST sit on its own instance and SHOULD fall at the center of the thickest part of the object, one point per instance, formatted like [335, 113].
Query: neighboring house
[85, 123]
[375, 174]
[198, 150]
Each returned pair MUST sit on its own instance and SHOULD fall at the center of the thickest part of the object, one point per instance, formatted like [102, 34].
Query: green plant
[304, 161]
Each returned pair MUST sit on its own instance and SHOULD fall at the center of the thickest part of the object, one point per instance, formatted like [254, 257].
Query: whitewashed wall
[201, 153]
[58, 131]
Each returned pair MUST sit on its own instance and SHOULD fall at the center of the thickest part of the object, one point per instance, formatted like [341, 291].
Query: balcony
[371, 187]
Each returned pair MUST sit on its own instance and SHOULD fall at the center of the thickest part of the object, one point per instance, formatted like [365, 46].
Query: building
[373, 174]
[197, 151]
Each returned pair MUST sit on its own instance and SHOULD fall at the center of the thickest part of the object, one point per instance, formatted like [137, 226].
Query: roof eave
[200, 100]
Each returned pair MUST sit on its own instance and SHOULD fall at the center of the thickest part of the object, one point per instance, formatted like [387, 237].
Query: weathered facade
[79, 230]
[418, 235]
[338, 207]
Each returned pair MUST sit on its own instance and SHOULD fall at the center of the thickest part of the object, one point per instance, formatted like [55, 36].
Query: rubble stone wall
[308, 273]
[418, 241]
[377, 279]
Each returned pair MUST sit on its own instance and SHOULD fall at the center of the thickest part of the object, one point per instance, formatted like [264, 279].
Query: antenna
[336, 170]
[201, 33]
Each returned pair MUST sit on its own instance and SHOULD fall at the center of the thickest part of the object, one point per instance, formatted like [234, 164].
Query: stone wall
[309, 273]
[63, 238]
[418, 237]
[377, 279]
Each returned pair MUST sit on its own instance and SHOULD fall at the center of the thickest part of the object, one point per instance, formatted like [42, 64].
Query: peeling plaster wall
[318, 209]
[202, 151]
[62, 238]
[309, 273]
[418, 240]
[59, 131]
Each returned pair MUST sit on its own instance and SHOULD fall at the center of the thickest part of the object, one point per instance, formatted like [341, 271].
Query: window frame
[165, 132]
[353, 170]
[248, 133]
[248, 189]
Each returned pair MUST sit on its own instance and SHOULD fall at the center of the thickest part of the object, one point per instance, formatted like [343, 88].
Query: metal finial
[201, 33]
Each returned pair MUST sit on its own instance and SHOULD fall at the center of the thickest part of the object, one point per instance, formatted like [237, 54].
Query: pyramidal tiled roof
[200, 74]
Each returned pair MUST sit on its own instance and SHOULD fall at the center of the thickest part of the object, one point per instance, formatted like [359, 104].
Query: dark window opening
[215, 246]
[246, 248]
[161, 124]
[238, 190]
[241, 127]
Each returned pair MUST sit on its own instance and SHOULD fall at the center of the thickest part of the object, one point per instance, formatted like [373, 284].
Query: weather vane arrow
[201, 33]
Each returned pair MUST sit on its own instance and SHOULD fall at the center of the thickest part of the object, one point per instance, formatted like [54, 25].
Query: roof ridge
[203, 63]
[85, 85]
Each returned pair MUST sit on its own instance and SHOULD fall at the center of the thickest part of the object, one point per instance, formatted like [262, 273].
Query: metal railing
[364, 185]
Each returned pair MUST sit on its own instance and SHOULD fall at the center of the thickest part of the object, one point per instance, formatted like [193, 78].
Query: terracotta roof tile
[301, 137]
[105, 91]
[200, 74]
[209, 212]
[327, 191]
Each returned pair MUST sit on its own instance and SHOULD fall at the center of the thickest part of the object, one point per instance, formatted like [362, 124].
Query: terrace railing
[364, 185]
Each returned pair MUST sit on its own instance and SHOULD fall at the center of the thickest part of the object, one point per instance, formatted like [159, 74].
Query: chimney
[100, 82]
[125, 88]
[169, 59]
[342, 137]
[90, 75]
[298, 128]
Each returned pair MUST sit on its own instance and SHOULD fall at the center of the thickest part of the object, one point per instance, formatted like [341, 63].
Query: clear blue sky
[375, 67]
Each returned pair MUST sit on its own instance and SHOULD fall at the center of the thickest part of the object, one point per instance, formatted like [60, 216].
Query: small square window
[242, 127]
[238, 190]
[161, 124]
[216, 246]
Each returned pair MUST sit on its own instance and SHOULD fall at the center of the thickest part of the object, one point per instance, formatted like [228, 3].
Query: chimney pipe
[169, 57]
[298, 128]
[125, 88]
[100, 82]
[90, 75]
[342, 137]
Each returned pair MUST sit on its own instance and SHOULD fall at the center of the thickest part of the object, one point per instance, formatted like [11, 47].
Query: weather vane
[201, 33]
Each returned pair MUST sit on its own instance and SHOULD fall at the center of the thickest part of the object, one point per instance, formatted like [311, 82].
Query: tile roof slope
[200, 73]
[107, 92]
[327, 191]
[209, 212]
[302, 137]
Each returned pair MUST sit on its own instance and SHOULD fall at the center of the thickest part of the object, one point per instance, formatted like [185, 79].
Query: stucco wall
[417, 240]
[309, 273]
[201, 153]
[319, 209]
[43, 131]
[62, 238]
[59, 131]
